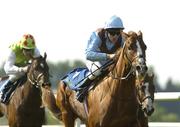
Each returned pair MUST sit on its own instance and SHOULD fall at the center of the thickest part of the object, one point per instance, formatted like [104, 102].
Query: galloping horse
[145, 95]
[25, 107]
[113, 102]
[146, 89]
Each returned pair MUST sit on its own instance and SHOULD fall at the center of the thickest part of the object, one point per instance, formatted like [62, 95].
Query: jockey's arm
[92, 51]
[9, 65]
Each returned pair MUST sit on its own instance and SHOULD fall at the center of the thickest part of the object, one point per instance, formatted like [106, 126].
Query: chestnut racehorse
[113, 102]
[25, 109]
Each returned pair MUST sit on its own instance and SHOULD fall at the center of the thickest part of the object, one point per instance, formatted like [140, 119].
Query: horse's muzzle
[141, 69]
[148, 112]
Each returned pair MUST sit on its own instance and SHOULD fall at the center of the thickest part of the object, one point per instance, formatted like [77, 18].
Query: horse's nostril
[145, 68]
[152, 110]
[138, 68]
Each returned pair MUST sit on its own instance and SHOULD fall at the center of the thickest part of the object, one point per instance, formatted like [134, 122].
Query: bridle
[35, 81]
[140, 88]
[132, 70]
[34, 77]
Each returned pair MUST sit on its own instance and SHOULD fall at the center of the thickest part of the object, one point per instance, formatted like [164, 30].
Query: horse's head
[134, 53]
[145, 91]
[38, 73]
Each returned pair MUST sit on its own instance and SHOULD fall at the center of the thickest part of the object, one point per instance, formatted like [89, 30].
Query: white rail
[167, 96]
[164, 124]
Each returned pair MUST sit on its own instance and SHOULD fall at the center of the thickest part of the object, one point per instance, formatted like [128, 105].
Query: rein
[131, 71]
[34, 81]
[146, 97]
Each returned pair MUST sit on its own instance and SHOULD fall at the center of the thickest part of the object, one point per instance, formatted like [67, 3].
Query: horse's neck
[31, 93]
[124, 87]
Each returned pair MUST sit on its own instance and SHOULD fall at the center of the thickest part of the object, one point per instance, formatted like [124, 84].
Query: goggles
[113, 32]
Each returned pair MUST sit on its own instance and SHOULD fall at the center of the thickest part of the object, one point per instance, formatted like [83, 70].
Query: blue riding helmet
[114, 22]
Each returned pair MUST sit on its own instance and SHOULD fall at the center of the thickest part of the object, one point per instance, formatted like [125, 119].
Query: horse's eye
[129, 48]
[143, 87]
[42, 65]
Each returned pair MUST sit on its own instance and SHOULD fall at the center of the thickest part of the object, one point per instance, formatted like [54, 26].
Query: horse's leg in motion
[63, 103]
[1, 112]
[50, 102]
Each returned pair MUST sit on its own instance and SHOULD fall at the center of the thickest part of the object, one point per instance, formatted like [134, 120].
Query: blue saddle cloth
[19, 82]
[75, 78]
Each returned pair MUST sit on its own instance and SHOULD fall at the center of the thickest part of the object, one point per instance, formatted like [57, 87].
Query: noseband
[139, 88]
[129, 62]
[35, 81]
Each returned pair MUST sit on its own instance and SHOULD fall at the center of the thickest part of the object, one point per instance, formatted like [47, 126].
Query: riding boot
[5, 91]
[81, 93]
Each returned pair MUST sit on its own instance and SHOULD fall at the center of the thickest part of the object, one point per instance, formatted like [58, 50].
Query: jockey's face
[113, 34]
[28, 52]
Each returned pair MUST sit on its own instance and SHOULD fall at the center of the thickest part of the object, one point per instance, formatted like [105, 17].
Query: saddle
[10, 89]
[78, 81]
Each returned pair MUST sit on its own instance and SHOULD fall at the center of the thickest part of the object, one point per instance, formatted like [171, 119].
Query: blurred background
[62, 29]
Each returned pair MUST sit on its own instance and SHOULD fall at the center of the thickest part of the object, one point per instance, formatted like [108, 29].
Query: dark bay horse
[146, 89]
[25, 107]
[113, 102]
[145, 97]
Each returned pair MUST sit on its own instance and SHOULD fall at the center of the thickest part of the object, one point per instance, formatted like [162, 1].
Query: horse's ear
[45, 55]
[140, 34]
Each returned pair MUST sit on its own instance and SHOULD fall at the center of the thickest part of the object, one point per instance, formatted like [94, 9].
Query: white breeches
[14, 77]
[93, 68]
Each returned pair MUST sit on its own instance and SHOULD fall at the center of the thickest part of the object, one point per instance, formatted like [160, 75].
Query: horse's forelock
[132, 34]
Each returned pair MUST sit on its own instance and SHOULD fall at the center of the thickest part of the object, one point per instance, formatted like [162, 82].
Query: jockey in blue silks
[102, 45]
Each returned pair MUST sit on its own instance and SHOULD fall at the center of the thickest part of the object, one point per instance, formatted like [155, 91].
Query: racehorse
[113, 102]
[25, 109]
[145, 97]
[146, 89]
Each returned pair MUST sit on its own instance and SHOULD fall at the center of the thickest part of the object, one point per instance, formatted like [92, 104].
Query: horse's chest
[124, 110]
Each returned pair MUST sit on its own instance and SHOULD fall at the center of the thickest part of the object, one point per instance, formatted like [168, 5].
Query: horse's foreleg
[50, 102]
[1, 111]
[68, 119]
[63, 104]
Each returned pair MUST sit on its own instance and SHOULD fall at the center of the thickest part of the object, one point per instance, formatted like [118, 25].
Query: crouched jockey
[16, 64]
[101, 47]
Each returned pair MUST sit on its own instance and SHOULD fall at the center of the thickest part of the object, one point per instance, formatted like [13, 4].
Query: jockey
[102, 45]
[16, 64]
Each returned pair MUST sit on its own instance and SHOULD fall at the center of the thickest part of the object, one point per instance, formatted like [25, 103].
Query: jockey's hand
[24, 69]
[111, 56]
